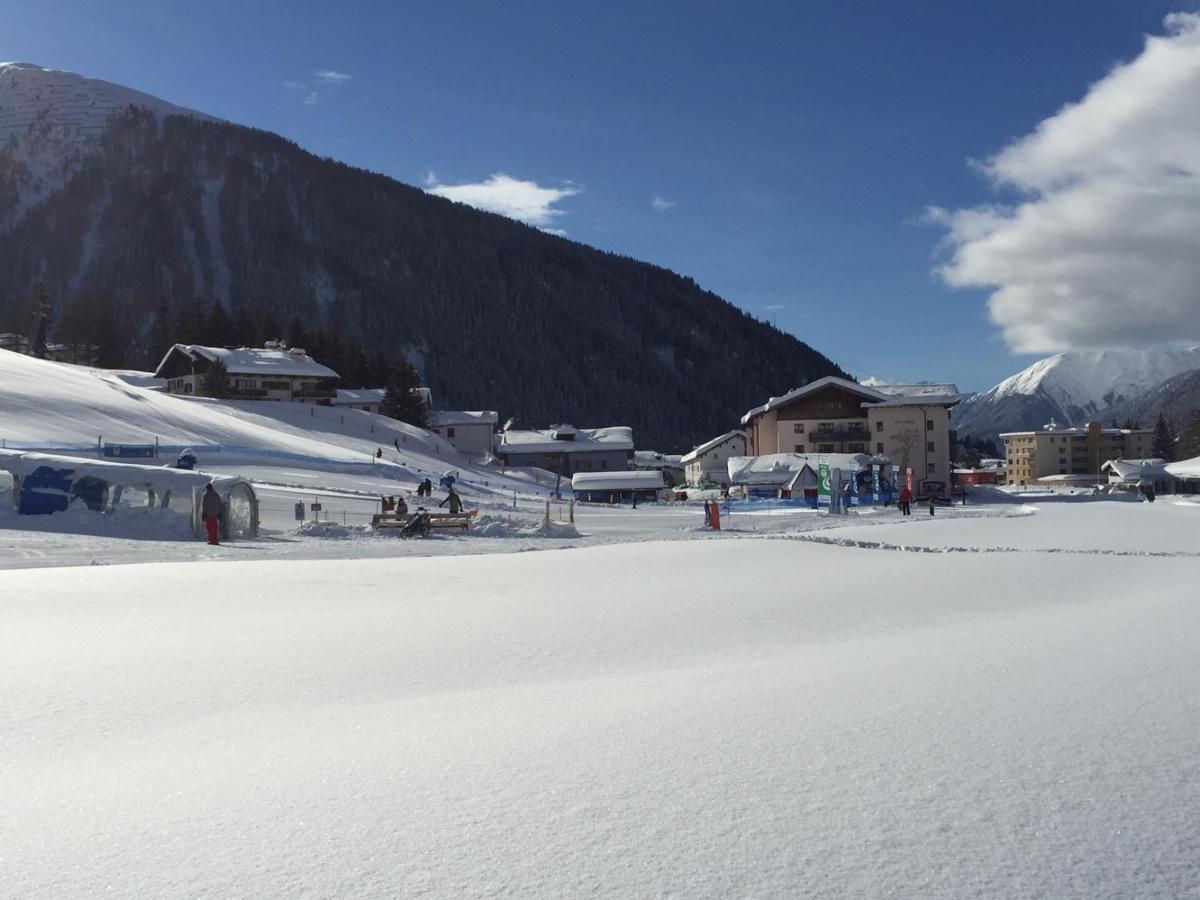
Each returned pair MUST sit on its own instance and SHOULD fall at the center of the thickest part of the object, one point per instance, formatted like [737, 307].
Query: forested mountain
[164, 228]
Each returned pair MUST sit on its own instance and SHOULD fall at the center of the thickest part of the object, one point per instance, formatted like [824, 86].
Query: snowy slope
[1071, 388]
[47, 405]
[49, 117]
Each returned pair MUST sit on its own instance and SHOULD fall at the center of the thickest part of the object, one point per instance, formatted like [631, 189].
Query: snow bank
[133, 523]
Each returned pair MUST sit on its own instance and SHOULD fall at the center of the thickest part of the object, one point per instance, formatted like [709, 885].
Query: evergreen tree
[401, 398]
[1163, 446]
[215, 381]
[218, 327]
[161, 339]
[1189, 439]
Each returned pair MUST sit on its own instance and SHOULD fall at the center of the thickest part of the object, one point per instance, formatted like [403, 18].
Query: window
[929, 425]
[825, 426]
[799, 448]
[931, 468]
[929, 446]
[856, 448]
[604, 463]
[824, 448]
[855, 426]
[879, 426]
[450, 431]
[879, 448]
[798, 428]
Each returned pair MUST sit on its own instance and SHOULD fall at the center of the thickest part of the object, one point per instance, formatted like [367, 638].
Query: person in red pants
[210, 509]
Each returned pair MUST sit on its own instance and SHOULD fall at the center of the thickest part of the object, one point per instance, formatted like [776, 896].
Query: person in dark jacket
[455, 502]
[210, 510]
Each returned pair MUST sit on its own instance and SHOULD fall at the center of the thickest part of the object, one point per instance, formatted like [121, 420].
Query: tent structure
[44, 484]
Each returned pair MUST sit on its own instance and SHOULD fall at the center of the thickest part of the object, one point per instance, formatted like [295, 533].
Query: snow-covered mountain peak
[1093, 380]
[48, 118]
[64, 107]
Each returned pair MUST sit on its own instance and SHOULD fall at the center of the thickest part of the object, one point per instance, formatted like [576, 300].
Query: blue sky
[784, 155]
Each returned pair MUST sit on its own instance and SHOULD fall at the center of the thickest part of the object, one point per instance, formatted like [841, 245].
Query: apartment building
[1030, 455]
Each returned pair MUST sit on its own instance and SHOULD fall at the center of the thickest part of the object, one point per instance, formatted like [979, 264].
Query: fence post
[546, 518]
[571, 512]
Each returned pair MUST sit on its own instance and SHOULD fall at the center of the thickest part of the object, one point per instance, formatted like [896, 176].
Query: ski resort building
[566, 450]
[706, 464]
[274, 372]
[909, 424]
[617, 487]
[1135, 474]
[1033, 455]
[366, 399]
[470, 432]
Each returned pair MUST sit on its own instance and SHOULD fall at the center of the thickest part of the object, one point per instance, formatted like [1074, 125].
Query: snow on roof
[1134, 470]
[442, 417]
[161, 478]
[292, 362]
[652, 459]
[617, 481]
[924, 394]
[585, 439]
[780, 468]
[874, 395]
[710, 445]
[1185, 468]
[353, 397]
[828, 381]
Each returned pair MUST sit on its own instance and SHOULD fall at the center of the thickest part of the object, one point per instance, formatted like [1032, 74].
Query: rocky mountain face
[1075, 387]
[133, 217]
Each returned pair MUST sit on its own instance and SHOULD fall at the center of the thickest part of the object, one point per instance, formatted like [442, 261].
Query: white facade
[708, 463]
[469, 432]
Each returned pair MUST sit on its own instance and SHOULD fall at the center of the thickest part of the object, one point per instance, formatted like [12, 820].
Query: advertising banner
[875, 491]
[822, 481]
[835, 491]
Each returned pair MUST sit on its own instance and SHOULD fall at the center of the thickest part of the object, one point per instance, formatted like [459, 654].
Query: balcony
[838, 436]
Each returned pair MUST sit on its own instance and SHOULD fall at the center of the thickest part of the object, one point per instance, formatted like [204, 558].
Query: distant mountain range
[135, 217]
[1080, 386]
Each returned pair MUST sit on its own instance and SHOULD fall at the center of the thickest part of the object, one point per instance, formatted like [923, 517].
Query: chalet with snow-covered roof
[907, 423]
[273, 372]
[470, 432]
[706, 464]
[566, 450]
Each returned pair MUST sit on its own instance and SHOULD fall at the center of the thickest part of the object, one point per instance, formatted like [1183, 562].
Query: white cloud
[312, 99]
[526, 201]
[331, 76]
[1101, 249]
[872, 381]
[661, 204]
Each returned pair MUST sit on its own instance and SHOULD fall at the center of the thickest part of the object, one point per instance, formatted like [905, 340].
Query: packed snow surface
[743, 714]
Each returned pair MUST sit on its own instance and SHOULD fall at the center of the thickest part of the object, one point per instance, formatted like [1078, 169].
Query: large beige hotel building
[1030, 455]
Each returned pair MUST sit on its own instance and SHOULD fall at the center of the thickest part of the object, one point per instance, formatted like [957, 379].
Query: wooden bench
[434, 519]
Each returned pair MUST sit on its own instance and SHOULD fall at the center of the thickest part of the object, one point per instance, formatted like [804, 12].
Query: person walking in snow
[905, 501]
[379, 453]
[455, 502]
[210, 510]
[932, 504]
[396, 441]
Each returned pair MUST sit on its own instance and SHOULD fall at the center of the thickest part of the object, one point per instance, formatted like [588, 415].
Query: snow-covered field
[654, 711]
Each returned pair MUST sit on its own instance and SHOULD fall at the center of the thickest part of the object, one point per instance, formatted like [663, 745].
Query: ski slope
[56, 406]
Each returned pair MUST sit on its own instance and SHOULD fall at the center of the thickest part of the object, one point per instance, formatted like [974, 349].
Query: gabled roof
[351, 396]
[781, 468]
[1131, 471]
[584, 439]
[925, 394]
[442, 417]
[867, 393]
[292, 362]
[709, 445]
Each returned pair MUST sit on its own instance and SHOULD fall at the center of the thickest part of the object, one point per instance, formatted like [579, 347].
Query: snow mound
[135, 523]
